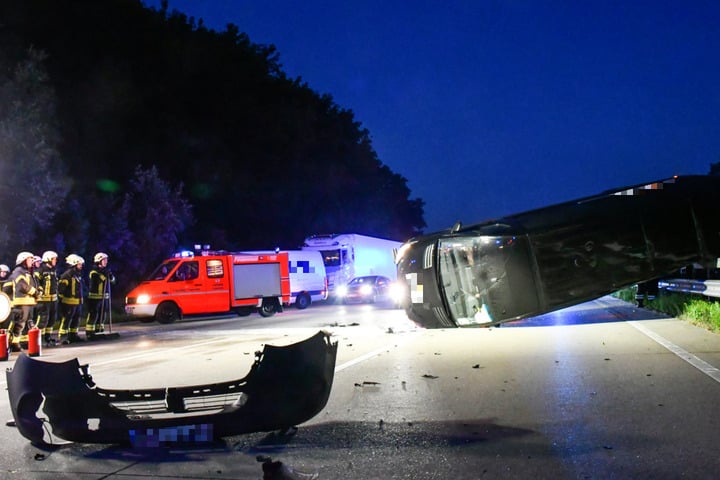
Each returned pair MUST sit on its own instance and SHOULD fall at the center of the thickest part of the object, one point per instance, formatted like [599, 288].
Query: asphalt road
[598, 391]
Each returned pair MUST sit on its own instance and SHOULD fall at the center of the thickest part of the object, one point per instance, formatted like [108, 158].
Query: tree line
[136, 131]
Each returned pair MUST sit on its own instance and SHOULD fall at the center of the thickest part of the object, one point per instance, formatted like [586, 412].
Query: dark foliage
[264, 159]
[32, 179]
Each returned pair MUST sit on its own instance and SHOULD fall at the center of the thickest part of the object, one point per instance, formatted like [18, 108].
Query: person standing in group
[100, 279]
[4, 274]
[70, 292]
[20, 287]
[47, 305]
[34, 276]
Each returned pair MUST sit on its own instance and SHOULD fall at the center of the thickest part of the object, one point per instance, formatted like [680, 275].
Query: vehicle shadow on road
[339, 435]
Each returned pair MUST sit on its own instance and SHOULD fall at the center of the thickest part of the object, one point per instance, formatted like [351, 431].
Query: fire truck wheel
[268, 308]
[303, 301]
[167, 312]
[243, 311]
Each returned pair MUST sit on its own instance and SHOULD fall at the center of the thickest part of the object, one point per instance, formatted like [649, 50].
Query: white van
[308, 280]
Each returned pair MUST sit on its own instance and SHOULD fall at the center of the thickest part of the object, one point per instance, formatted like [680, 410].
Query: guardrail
[709, 288]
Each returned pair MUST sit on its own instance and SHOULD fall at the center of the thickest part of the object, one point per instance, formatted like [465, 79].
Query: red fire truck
[212, 282]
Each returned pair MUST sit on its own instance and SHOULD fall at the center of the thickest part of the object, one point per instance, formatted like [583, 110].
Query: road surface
[602, 390]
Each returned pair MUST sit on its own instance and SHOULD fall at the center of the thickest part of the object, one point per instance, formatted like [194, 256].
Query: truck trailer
[542, 260]
[212, 282]
[351, 255]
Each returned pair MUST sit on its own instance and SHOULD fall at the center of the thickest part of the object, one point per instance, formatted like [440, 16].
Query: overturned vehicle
[286, 385]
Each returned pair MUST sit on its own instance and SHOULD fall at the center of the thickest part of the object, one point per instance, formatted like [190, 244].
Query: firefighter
[4, 273]
[34, 276]
[21, 290]
[70, 293]
[100, 279]
[47, 306]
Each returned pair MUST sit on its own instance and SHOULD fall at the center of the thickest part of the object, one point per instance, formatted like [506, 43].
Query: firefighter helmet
[37, 259]
[4, 268]
[48, 256]
[22, 256]
[99, 257]
[73, 260]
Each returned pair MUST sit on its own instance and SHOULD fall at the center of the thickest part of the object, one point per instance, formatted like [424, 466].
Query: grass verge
[692, 308]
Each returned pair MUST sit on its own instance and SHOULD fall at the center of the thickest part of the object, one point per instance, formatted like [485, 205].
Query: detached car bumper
[285, 386]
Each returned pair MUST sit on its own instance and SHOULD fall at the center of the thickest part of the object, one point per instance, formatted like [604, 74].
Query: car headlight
[397, 291]
[143, 299]
[341, 290]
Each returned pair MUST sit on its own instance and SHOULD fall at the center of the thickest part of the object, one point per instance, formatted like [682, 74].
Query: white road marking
[696, 362]
[369, 355]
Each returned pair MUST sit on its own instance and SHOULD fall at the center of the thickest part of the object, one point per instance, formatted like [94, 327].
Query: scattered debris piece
[367, 383]
[427, 375]
[279, 471]
[390, 330]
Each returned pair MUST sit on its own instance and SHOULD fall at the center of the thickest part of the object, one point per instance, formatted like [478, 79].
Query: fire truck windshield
[163, 270]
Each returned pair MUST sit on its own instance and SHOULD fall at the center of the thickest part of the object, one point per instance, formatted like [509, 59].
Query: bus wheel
[303, 301]
[268, 308]
[167, 312]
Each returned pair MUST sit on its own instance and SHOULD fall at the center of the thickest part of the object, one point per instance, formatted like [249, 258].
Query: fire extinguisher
[3, 345]
[34, 342]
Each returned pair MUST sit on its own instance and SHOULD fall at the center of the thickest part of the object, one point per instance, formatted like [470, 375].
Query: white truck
[351, 255]
[308, 279]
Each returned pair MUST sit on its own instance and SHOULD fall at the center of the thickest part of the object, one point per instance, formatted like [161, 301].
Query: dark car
[368, 289]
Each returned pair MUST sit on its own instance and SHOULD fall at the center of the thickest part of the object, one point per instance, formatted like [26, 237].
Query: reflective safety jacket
[99, 280]
[21, 289]
[48, 281]
[70, 287]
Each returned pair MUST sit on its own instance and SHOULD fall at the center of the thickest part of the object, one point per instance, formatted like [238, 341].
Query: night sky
[495, 107]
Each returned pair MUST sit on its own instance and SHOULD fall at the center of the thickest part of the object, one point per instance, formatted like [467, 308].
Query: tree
[156, 213]
[32, 178]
